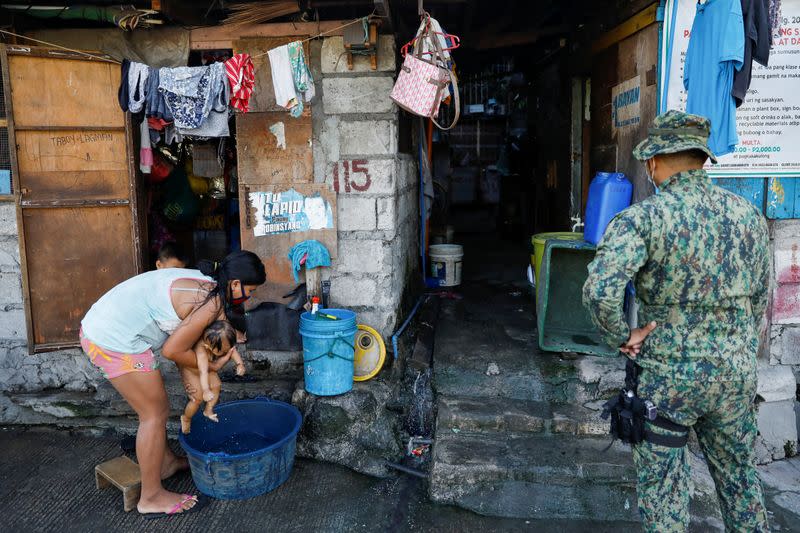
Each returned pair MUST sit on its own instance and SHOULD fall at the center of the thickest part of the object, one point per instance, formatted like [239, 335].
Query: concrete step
[534, 476]
[493, 415]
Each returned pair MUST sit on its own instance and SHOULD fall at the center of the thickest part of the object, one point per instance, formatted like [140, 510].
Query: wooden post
[314, 282]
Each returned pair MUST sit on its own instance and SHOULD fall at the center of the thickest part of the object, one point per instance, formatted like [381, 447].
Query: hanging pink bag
[421, 85]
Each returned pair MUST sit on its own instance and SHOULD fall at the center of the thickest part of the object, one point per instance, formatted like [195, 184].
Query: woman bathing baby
[169, 309]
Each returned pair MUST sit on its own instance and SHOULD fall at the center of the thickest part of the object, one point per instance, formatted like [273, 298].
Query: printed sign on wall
[626, 105]
[289, 211]
[768, 122]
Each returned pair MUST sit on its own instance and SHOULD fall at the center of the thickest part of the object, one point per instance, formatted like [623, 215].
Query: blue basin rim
[293, 434]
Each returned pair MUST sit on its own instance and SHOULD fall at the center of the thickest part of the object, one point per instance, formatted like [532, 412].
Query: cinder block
[371, 176]
[383, 320]
[785, 229]
[12, 324]
[786, 304]
[406, 172]
[356, 214]
[333, 59]
[10, 288]
[364, 257]
[8, 218]
[349, 292]
[777, 425]
[9, 254]
[357, 95]
[367, 137]
[787, 261]
[785, 345]
[776, 382]
[387, 218]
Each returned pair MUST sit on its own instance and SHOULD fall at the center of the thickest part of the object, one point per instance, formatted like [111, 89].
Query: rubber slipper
[202, 501]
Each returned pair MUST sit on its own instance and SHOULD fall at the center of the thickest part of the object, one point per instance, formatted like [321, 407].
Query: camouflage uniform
[699, 259]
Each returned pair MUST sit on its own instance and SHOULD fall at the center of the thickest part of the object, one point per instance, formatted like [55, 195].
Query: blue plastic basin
[249, 452]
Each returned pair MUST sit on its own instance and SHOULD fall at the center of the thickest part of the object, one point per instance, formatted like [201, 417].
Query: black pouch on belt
[629, 413]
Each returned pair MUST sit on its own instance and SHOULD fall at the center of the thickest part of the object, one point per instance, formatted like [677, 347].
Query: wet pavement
[47, 484]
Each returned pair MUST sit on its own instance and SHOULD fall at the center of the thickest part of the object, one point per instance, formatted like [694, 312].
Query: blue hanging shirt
[716, 50]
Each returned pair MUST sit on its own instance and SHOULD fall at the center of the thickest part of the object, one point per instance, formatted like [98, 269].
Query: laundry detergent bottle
[609, 193]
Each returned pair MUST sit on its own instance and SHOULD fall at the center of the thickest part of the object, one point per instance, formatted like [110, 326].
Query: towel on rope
[311, 253]
[242, 78]
[291, 79]
[137, 86]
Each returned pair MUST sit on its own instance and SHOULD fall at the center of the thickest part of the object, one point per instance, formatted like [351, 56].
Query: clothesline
[53, 45]
[354, 21]
[111, 60]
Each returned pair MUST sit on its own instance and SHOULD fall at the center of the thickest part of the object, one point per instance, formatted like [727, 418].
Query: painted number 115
[354, 176]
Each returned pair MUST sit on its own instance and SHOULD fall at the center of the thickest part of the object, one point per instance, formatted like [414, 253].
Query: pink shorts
[115, 364]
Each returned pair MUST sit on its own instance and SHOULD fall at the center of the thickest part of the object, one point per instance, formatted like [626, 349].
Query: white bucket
[446, 263]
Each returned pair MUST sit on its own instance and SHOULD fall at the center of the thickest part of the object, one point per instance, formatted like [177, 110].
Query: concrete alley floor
[47, 484]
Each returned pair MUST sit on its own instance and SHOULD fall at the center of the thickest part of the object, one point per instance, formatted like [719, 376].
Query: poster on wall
[289, 211]
[626, 105]
[768, 122]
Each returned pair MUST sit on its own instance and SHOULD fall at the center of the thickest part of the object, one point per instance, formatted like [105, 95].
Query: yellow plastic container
[540, 239]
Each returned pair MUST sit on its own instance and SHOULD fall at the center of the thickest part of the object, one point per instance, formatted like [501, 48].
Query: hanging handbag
[422, 85]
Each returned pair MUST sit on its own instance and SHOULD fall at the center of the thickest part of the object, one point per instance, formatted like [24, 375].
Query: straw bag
[421, 85]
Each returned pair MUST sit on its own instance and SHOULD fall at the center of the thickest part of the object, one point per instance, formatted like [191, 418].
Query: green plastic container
[540, 239]
[564, 324]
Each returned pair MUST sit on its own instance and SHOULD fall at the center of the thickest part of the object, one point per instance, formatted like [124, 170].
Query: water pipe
[407, 470]
[405, 324]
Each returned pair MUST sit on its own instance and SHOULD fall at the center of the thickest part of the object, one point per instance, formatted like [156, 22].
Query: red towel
[242, 77]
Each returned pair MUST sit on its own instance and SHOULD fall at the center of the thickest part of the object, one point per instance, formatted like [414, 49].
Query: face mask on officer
[650, 171]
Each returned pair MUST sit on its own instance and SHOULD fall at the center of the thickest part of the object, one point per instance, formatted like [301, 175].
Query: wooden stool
[123, 474]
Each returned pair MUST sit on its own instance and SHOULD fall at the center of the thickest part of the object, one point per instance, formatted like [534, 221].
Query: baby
[202, 384]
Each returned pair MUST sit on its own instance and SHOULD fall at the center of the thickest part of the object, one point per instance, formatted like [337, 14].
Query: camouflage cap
[673, 132]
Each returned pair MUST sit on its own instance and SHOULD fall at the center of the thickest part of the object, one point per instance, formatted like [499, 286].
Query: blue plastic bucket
[328, 351]
[249, 452]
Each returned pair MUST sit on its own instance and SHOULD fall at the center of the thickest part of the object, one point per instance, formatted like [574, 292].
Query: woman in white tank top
[165, 310]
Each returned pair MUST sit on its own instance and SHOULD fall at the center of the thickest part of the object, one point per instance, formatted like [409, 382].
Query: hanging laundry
[757, 42]
[291, 79]
[716, 51]
[137, 85]
[189, 92]
[775, 19]
[145, 150]
[216, 123]
[242, 78]
[122, 93]
[155, 105]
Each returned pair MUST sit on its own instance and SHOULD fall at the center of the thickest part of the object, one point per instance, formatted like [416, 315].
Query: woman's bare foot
[165, 501]
[186, 424]
[211, 416]
[170, 467]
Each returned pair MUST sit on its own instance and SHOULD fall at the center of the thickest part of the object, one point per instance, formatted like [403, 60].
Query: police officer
[698, 257]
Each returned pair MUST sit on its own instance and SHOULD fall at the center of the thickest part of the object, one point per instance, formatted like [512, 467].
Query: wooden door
[275, 163]
[75, 179]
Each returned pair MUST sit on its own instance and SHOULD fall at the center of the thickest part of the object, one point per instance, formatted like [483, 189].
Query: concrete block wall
[779, 409]
[355, 142]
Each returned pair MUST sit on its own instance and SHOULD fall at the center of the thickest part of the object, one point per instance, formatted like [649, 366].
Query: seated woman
[166, 309]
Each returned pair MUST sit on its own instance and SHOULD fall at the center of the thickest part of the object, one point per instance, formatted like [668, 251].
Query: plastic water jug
[609, 193]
